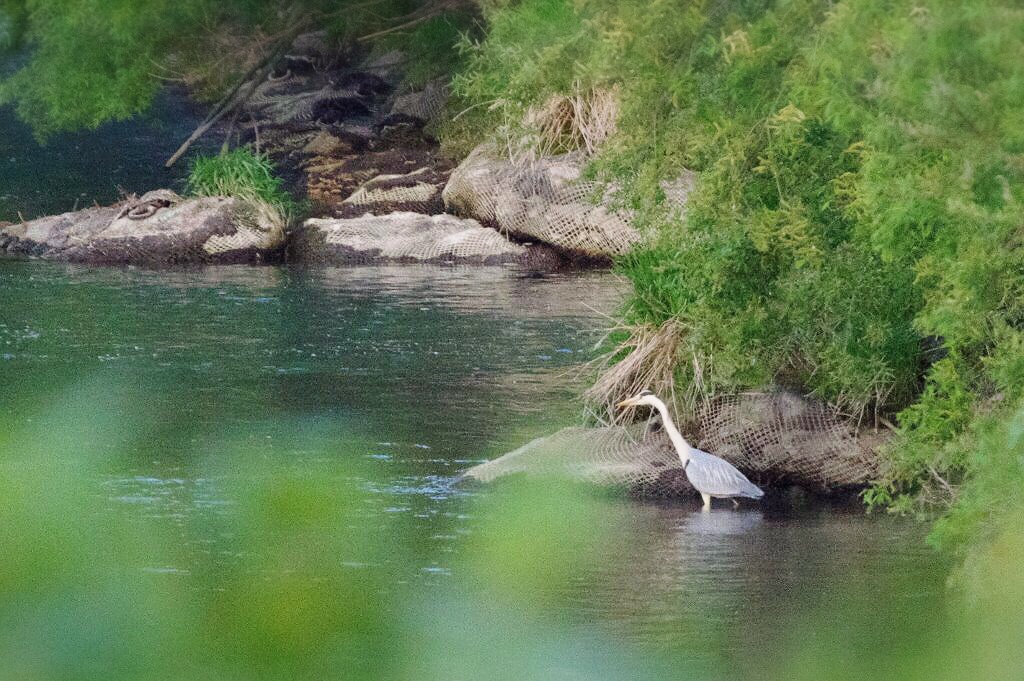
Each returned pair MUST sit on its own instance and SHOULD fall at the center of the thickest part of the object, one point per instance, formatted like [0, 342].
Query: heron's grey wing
[710, 474]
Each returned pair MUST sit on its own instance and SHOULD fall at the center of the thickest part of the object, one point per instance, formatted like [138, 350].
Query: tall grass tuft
[244, 175]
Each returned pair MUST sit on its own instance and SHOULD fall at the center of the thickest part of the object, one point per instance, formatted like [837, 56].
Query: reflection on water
[421, 371]
[724, 580]
[74, 170]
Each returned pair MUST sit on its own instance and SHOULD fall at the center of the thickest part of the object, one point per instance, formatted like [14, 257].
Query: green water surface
[396, 379]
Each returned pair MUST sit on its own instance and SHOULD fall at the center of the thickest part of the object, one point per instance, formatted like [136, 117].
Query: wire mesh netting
[416, 192]
[408, 237]
[424, 104]
[635, 459]
[158, 228]
[547, 200]
[781, 436]
[776, 438]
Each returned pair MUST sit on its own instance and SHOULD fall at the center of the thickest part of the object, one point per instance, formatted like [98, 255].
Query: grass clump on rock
[241, 174]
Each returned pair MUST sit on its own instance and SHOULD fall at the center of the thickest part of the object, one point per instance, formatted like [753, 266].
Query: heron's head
[645, 398]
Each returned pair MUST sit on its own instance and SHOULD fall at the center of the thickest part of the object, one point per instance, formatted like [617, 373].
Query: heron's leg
[707, 501]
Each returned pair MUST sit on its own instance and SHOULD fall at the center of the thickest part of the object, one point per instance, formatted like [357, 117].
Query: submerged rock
[626, 458]
[160, 228]
[411, 238]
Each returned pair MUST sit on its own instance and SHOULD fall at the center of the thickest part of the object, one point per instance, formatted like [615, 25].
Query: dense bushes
[857, 231]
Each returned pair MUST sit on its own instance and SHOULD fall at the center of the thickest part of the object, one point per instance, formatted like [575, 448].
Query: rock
[390, 66]
[416, 192]
[315, 46]
[410, 238]
[301, 103]
[544, 200]
[324, 143]
[160, 228]
[548, 200]
[779, 439]
[632, 459]
[422, 105]
[330, 180]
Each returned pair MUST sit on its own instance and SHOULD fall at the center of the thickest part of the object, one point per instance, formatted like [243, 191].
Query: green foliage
[93, 61]
[12, 24]
[859, 207]
[241, 174]
[431, 48]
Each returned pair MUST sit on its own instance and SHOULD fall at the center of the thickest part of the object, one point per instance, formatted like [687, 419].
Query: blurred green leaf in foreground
[295, 572]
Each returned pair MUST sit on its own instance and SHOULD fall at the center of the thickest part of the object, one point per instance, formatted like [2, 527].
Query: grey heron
[710, 475]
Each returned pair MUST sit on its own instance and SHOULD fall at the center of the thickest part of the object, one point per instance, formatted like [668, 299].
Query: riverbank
[246, 434]
[345, 131]
[854, 233]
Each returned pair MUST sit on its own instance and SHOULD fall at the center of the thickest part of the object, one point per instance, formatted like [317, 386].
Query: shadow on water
[79, 169]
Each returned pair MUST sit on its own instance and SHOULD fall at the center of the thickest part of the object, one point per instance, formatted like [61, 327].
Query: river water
[424, 371]
[402, 377]
[94, 166]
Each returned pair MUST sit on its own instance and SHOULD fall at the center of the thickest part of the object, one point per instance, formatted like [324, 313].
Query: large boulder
[160, 228]
[410, 238]
[548, 200]
[776, 437]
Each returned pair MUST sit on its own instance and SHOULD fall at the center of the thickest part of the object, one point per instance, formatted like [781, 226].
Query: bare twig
[414, 18]
[233, 99]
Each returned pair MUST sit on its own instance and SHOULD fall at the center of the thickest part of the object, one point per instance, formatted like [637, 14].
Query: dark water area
[412, 374]
[76, 170]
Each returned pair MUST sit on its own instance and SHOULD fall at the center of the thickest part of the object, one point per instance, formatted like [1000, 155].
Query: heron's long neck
[681, 445]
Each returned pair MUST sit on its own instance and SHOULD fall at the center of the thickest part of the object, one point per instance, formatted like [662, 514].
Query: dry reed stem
[580, 121]
[651, 357]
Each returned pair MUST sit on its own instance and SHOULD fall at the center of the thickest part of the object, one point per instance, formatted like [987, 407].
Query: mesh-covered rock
[331, 180]
[316, 46]
[421, 105]
[633, 459]
[389, 66]
[774, 438]
[781, 436]
[546, 200]
[416, 192]
[300, 103]
[323, 143]
[412, 238]
[158, 228]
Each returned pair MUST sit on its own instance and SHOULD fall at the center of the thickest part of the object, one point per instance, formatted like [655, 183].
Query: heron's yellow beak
[631, 402]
